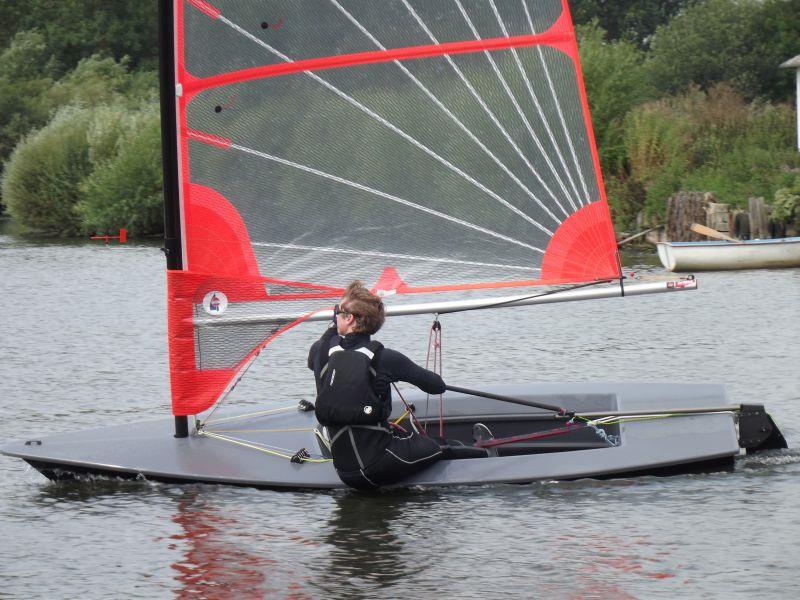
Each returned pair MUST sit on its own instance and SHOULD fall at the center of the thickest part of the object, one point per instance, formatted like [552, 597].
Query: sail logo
[215, 303]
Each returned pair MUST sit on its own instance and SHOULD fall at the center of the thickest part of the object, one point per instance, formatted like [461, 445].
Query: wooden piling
[683, 209]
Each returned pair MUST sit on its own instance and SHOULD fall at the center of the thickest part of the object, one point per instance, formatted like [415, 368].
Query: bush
[41, 181]
[124, 188]
[712, 141]
[89, 171]
[786, 209]
[616, 81]
[97, 81]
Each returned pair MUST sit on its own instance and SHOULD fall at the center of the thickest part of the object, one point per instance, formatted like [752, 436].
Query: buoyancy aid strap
[371, 351]
[347, 428]
[355, 449]
[374, 352]
[353, 441]
[336, 348]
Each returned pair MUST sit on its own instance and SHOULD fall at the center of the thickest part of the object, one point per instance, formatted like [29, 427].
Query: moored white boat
[723, 255]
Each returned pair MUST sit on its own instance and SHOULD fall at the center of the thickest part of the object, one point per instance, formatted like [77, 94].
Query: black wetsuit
[369, 457]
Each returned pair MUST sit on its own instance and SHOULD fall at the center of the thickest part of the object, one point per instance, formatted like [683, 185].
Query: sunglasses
[337, 310]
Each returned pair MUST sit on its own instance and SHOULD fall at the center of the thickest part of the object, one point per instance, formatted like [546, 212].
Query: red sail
[422, 147]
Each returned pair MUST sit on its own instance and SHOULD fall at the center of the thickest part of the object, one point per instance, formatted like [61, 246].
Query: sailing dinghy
[442, 152]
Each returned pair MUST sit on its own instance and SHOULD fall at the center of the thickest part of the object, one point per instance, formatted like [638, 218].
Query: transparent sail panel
[415, 169]
[431, 149]
[310, 29]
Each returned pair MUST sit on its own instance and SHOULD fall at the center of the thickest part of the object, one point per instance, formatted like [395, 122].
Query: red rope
[528, 436]
[435, 343]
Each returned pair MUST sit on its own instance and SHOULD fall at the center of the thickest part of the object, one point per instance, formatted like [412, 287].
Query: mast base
[181, 427]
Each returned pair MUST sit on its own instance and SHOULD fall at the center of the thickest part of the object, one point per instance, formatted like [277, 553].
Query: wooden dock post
[759, 219]
[683, 209]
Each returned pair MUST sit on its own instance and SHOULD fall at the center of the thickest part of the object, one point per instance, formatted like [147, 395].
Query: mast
[169, 153]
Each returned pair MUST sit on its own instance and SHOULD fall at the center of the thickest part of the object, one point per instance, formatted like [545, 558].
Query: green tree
[727, 40]
[23, 84]
[627, 20]
[101, 80]
[76, 29]
[616, 81]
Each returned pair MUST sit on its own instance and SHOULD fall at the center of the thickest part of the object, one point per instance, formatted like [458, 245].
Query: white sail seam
[544, 119]
[393, 255]
[386, 195]
[444, 108]
[517, 107]
[485, 107]
[399, 131]
[558, 105]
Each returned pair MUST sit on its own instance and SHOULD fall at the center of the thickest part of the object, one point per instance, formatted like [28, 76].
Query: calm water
[83, 345]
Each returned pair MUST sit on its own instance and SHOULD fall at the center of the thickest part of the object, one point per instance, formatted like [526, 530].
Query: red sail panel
[421, 147]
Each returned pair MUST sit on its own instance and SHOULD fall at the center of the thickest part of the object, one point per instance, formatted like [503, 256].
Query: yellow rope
[401, 417]
[253, 446]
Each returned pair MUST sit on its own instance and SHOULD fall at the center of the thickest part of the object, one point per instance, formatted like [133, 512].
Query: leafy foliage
[41, 183]
[76, 29]
[88, 170]
[631, 21]
[616, 81]
[731, 41]
[652, 71]
[124, 187]
[23, 87]
[710, 141]
[786, 209]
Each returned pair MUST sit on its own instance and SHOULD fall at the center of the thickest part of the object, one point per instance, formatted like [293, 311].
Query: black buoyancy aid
[346, 394]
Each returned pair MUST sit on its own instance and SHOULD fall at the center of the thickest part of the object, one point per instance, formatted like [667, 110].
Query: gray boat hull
[149, 451]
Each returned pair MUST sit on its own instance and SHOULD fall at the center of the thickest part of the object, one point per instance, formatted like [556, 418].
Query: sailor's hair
[366, 307]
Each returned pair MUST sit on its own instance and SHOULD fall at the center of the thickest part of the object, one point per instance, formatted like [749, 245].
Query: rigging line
[397, 130]
[517, 107]
[229, 388]
[274, 450]
[518, 299]
[558, 106]
[544, 119]
[388, 196]
[446, 110]
[484, 106]
[259, 413]
[393, 255]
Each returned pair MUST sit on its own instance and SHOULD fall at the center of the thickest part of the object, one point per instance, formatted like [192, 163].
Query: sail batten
[429, 149]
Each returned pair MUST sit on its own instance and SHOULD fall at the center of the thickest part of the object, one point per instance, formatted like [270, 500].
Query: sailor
[367, 451]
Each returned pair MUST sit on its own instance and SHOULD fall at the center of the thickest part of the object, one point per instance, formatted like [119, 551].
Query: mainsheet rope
[435, 345]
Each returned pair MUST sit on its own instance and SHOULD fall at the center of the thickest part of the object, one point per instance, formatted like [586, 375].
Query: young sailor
[354, 376]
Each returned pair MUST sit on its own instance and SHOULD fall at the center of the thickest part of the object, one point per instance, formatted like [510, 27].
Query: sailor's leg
[403, 456]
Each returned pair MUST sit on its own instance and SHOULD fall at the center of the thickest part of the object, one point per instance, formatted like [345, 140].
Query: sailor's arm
[403, 368]
[320, 345]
